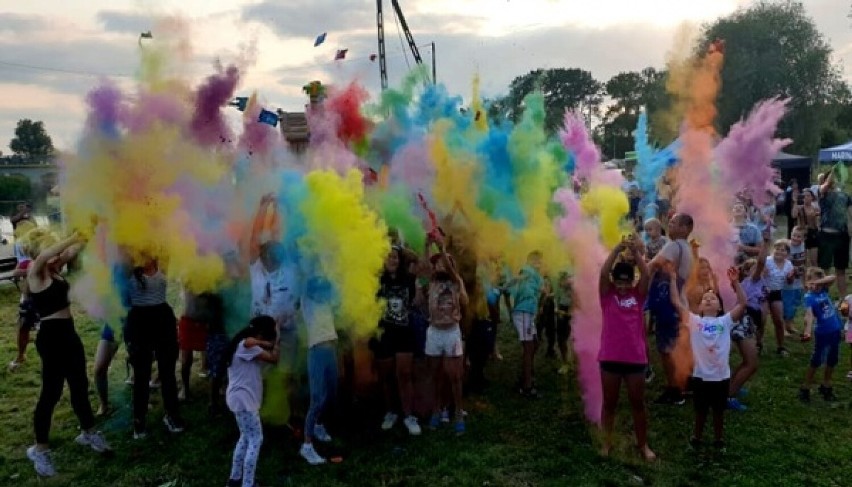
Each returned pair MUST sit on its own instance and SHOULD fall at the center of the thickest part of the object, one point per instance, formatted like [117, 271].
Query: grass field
[510, 441]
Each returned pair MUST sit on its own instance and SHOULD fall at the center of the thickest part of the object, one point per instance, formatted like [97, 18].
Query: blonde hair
[814, 273]
[782, 242]
[36, 240]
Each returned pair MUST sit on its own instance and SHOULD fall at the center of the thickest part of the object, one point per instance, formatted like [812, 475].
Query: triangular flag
[341, 54]
[320, 39]
[268, 117]
[373, 57]
[146, 35]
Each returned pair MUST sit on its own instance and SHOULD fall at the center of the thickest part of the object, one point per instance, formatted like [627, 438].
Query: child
[818, 306]
[654, 239]
[27, 316]
[254, 344]
[624, 350]
[546, 319]
[710, 336]
[793, 291]
[564, 304]
[322, 362]
[779, 271]
[526, 291]
[444, 351]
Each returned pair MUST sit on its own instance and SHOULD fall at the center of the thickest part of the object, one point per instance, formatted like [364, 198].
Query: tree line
[773, 48]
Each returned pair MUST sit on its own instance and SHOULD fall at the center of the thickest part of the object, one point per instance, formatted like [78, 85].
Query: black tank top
[51, 299]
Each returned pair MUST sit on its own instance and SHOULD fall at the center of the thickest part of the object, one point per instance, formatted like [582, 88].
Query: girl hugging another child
[255, 344]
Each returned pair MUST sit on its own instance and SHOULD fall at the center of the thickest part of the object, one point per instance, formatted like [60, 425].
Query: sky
[51, 57]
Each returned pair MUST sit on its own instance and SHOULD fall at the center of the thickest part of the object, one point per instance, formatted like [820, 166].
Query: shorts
[774, 296]
[792, 302]
[107, 333]
[743, 329]
[812, 239]
[525, 325]
[622, 368]
[833, 249]
[217, 347]
[826, 349]
[710, 395]
[394, 340]
[27, 316]
[444, 342]
[192, 335]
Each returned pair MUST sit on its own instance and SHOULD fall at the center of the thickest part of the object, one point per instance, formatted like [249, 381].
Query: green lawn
[510, 440]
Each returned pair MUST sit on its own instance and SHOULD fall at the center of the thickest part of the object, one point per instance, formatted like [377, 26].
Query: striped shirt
[152, 293]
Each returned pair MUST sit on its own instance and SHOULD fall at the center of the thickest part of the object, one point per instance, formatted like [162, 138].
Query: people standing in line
[59, 346]
[152, 332]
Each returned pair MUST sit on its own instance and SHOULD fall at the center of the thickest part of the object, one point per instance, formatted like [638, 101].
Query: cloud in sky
[497, 39]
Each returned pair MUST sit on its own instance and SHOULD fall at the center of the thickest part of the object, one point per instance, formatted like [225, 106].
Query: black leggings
[152, 330]
[62, 359]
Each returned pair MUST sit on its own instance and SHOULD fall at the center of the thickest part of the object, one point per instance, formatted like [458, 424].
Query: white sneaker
[41, 461]
[94, 440]
[445, 416]
[308, 453]
[321, 434]
[411, 423]
[389, 421]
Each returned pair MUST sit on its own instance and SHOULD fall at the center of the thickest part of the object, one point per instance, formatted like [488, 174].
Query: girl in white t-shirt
[779, 271]
[710, 337]
[255, 344]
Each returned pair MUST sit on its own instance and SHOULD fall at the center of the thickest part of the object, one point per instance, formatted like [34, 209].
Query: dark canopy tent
[791, 167]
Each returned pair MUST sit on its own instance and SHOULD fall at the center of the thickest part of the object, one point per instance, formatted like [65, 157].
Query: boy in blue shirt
[526, 290]
[819, 307]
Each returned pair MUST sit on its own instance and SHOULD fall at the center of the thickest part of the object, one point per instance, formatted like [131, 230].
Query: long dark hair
[262, 327]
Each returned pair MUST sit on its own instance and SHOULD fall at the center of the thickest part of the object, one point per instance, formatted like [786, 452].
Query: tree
[630, 93]
[563, 89]
[15, 187]
[31, 139]
[774, 49]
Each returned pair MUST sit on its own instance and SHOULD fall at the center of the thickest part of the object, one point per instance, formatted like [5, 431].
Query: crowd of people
[442, 304]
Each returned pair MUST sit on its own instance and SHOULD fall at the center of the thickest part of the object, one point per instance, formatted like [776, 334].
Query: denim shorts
[792, 302]
[826, 349]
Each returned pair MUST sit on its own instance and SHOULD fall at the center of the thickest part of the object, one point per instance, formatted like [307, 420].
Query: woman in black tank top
[59, 346]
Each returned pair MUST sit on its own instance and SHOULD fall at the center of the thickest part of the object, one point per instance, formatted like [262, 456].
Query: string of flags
[340, 54]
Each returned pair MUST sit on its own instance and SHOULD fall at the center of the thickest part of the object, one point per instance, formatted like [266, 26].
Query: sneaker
[321, 434]
[95, 441]
[140, 434]
[665, 397]
[234, 483]
[389, 421]
[782, 352]
[563, 370]
[677, 398]
[849, 375]
[173, 424]
[14, 365]
[41, 461]
[459, 427]
[153, 385]
[203, 374]
[308, 453]
[805, 395]
[735, 405]
[434, 421]
[411, 423]
[649, 375]
[445, 416]
[827, 393]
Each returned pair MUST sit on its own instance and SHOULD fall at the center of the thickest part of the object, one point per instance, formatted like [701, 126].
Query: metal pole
[434, 76]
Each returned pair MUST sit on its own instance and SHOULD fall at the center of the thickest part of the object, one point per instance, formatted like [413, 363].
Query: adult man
[833, 248]
[677, 254]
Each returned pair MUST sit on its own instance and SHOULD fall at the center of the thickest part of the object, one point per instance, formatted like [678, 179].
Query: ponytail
[260, 326]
